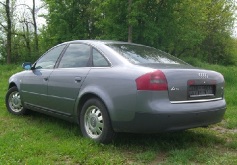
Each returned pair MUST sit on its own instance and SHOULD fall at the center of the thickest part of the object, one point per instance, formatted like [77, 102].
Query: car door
[65, 81]
[34, 85]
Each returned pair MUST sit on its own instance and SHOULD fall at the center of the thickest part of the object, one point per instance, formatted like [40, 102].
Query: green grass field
[40, 139]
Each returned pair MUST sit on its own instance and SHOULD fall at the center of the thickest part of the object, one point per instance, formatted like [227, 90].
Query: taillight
[154, 81]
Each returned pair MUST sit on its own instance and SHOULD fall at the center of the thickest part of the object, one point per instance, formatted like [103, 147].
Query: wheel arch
[88, 95]
[14, 80]
[12, 84]
[15, 107]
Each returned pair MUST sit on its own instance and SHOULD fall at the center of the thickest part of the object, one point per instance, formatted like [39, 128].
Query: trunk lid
[190, 84]
[194, 85]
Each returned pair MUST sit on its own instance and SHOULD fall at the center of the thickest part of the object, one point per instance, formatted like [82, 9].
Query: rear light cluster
[153, 81]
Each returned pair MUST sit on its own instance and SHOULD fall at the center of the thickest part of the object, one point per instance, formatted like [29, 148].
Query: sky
[235, 25]
[40, 21]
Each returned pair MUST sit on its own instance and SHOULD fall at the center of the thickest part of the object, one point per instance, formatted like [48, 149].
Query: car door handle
[78, 79]
[46, 78]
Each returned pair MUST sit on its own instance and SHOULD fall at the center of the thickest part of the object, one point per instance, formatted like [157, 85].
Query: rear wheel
[95, 122]
[13, 102]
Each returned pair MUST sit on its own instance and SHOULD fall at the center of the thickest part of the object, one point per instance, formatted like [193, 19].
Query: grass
[40, 139]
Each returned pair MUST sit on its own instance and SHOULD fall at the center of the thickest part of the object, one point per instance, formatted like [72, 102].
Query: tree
[218, 27]
[35, 27]
[28, 21]
[129, 24]
[8, 27]
[68, 20]
[183, 28]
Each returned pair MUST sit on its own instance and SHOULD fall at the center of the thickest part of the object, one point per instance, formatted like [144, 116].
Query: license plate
[201, 91]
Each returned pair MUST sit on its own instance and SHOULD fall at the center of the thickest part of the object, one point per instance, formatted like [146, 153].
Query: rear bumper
[171, 121]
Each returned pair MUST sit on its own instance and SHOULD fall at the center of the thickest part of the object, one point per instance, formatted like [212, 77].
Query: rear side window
[76, 55]
[99, 60]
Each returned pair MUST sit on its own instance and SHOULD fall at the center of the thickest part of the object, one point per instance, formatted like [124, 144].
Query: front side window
[76, 55]
[49, 59]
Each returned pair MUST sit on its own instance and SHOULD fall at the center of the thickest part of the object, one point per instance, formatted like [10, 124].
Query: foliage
[200, 30]
[70, 19]
[18, 29]
[182, 28]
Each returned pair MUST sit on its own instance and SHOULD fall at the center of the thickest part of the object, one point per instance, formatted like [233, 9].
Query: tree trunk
[129, 24]
[35, 29]
[9, 31]
[26, 36]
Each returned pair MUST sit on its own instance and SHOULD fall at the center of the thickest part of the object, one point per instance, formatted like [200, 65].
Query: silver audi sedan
[109, 86]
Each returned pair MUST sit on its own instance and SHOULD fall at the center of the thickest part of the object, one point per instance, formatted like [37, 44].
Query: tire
[95, 122]
[14, 103]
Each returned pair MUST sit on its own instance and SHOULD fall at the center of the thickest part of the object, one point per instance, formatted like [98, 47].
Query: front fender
[15, 80]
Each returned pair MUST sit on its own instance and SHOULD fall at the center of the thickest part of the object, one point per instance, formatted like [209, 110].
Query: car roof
[99, 42]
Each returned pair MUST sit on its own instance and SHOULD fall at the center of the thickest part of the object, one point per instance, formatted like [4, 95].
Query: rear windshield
[138, 54]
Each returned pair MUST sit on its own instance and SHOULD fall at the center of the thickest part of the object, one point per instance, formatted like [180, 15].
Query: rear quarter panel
[116, 87]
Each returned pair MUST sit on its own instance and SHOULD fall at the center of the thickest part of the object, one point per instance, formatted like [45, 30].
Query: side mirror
[27, 65]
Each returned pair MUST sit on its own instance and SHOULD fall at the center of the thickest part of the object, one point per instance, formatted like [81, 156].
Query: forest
[195, 31]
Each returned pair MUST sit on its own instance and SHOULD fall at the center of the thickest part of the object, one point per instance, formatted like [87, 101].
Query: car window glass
[48, 60]
[138, 54]
[98, 59]
[76, 55]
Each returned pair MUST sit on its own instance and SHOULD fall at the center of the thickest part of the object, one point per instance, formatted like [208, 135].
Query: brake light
[154, 81]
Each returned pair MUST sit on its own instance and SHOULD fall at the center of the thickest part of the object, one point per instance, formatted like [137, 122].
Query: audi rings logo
[203, 75]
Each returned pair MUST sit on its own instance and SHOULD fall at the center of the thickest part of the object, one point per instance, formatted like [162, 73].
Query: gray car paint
[34, 87]
[130, 110]
[63, 88]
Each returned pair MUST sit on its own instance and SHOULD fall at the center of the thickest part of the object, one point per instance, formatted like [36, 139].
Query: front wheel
[13, 102]
[95, 122]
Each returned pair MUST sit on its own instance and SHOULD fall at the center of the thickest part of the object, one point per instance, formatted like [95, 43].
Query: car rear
[172, 95]
[177, 99]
